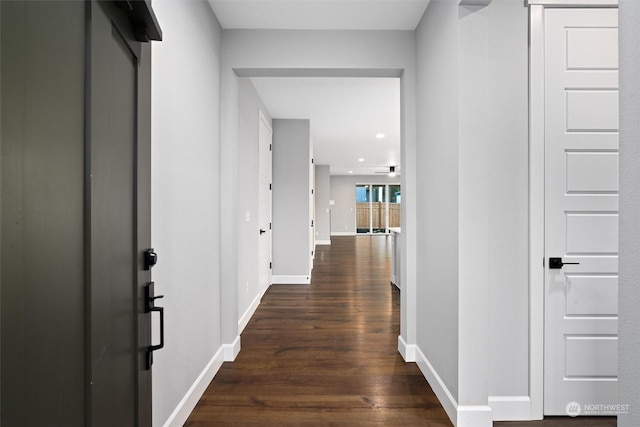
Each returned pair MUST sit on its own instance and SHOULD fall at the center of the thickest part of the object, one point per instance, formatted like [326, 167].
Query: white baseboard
[460, 416]
[323, 242]
[264, 291]
[195, 392]
[343, 233]
[231, 351]
[242, 323]
[407, 351]
[510, 408]
[438, 386]
[474, 416]
[291, 280]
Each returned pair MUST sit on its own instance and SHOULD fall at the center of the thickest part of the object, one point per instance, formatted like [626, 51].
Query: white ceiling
[320, 14]
[346, 114]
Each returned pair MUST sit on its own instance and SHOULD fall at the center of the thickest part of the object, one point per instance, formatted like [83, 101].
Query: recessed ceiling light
[380, 135]
[361, 159]
[350, 171]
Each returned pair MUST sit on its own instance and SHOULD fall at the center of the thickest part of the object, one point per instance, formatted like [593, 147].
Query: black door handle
[149, 307]
[153, 348]
[557, 263]
[262, 231]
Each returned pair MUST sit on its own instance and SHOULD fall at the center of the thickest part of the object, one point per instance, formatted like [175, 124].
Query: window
[377, 208]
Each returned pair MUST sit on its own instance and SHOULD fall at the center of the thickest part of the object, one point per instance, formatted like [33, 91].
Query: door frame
[537, 192]
[232, 72]
[136, 27]
[263, 119]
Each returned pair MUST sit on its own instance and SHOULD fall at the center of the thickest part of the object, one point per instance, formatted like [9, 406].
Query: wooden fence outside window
[378, 215]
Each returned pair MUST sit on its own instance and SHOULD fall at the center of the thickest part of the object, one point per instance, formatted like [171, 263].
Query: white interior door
[312, 209]
[264, 205]
[581, 192]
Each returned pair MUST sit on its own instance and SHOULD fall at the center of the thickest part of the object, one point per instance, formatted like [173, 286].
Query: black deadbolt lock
[150, 258]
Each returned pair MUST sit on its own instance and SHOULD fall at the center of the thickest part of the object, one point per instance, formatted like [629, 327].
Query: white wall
[473, 205]
[185, 200]
[507, 151]
[291, 196]
[249, 103]
[629, 297]
[437, 195]
[323, 213]
[343, 193]
[472, 148]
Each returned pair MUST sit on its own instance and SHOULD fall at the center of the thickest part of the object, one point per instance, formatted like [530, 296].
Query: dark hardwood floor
[326, 354]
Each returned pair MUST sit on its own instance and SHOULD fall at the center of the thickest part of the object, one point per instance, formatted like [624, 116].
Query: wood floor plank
[325, 354]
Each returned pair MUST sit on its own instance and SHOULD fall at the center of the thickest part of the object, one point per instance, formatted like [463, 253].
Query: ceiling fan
[392, 172]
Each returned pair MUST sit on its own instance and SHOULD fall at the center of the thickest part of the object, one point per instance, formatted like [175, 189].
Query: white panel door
[581, 191]
[264, 205]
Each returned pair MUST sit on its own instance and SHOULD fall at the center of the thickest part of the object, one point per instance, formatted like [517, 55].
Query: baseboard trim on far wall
[343, 233]
[290, 280]
[510, 408]
[242, 323]
[188, 403]
[323, 242]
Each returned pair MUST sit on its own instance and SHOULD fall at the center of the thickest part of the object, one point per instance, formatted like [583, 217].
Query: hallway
[326, 354]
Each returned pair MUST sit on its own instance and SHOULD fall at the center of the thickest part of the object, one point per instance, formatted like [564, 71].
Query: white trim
[510, 408]
[323, 242]
[438, 386]
[264, 290]
[574, 3]
[407, 351]
[474, 416]
[188, 403]
[262, 117]
[393, 279]
[291, 279]
[232, 350]
[536, 211]
[343, 233]
[479, 3]
[242, 323]
[460, 416]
